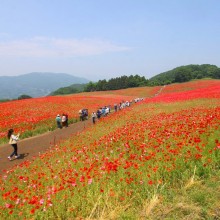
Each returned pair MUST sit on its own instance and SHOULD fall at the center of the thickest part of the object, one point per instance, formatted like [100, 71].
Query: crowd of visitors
[62, 121]
[83, 114]
[138, 100]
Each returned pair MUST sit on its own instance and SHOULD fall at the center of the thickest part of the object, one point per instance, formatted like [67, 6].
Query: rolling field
[158, 159]
[35, 116]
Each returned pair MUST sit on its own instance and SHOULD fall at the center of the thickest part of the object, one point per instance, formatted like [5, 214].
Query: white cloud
[52, 47]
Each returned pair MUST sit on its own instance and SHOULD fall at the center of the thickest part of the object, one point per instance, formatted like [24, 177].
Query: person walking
[93, 117]
[67, 120]
[98, 113]
[13, 139]
[80, 115]
[58, 120]
[63, 120]
[107, 110]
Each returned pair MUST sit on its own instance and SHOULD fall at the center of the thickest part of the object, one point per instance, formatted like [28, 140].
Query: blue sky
[101, 39]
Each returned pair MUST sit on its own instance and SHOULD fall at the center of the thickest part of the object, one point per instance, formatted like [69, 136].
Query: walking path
[161, 89]
[31, 147]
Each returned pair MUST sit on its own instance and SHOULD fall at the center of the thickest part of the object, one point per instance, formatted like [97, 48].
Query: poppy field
[158, 159]
[30, 117]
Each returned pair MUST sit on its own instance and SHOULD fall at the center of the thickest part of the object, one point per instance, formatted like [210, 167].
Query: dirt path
[161, 89]
[31, 147]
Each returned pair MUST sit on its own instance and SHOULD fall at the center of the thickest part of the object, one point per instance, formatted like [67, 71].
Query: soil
[31, 147]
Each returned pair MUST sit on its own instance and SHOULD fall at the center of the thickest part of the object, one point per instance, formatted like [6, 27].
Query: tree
[24, 96]
[90, 87]
[122, 82]
[101, 85]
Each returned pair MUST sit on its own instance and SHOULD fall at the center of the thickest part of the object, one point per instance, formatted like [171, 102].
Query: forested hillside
[185, 74]
[75, 88]
[122, 82]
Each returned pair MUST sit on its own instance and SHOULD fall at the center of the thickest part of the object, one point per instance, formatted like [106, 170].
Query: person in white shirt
[13, 139]
[63, 120]
[107, 110]
[93, 117]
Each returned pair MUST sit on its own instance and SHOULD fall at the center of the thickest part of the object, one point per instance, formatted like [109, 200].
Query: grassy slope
[169, 184]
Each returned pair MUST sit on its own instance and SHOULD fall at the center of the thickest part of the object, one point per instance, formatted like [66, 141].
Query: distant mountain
[35, 84]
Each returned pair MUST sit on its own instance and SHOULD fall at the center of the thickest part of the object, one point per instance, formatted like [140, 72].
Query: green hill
[186, 73]
[74, 88]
